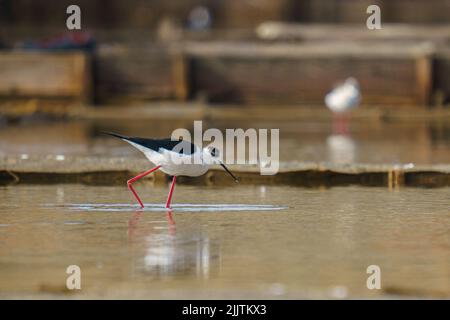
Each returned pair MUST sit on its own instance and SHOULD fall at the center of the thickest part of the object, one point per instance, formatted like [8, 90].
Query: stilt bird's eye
[214, 152]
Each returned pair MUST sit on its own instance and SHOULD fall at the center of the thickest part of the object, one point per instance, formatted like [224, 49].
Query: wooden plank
[323, 32]
[180, 69]
[45, 75]
[136, 73]
[303, 74]
[423, 80]
[441, 78]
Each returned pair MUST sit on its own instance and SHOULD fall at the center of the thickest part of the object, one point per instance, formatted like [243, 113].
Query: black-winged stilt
[341, 100]
[175, 158]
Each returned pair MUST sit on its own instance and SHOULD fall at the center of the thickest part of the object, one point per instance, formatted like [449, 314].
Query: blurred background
[239, 51]
[249, 63]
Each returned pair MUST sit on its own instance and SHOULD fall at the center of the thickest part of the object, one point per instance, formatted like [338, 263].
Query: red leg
[336, 123]
[129, 182]
[172, 186]
[346, 123]
[340, 123]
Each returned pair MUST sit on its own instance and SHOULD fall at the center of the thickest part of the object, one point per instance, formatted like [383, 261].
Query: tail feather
[116, 135]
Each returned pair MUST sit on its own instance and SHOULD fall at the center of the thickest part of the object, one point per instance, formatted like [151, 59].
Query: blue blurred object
[199, 19]
[65, 41]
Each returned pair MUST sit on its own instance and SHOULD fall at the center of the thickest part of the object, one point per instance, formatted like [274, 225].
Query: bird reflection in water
[168, 253]
[341, 148]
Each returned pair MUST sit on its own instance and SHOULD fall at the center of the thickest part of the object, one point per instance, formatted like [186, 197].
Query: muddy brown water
[223, 242]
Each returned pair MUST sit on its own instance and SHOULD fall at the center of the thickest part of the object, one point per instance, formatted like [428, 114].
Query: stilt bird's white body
[173, 163]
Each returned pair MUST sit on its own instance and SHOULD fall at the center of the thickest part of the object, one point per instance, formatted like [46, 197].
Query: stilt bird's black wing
[179, 146]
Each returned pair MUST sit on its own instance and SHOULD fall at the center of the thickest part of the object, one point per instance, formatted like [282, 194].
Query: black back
[180, 146]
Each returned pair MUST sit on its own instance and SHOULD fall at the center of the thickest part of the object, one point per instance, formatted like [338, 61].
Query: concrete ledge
[113, 171]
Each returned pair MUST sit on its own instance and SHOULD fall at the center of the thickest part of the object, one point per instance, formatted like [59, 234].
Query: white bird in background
[175, 158]
[341, 100]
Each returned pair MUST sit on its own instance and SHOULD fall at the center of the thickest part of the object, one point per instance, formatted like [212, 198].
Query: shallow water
[224, 242]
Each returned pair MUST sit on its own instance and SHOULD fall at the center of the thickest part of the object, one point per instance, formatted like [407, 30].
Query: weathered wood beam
[46, 75]
[255, 73]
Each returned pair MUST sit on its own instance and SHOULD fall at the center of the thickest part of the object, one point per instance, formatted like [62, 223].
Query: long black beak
[226, 169]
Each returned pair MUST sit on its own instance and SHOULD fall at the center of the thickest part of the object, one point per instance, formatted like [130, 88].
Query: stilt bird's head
[211, 155]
